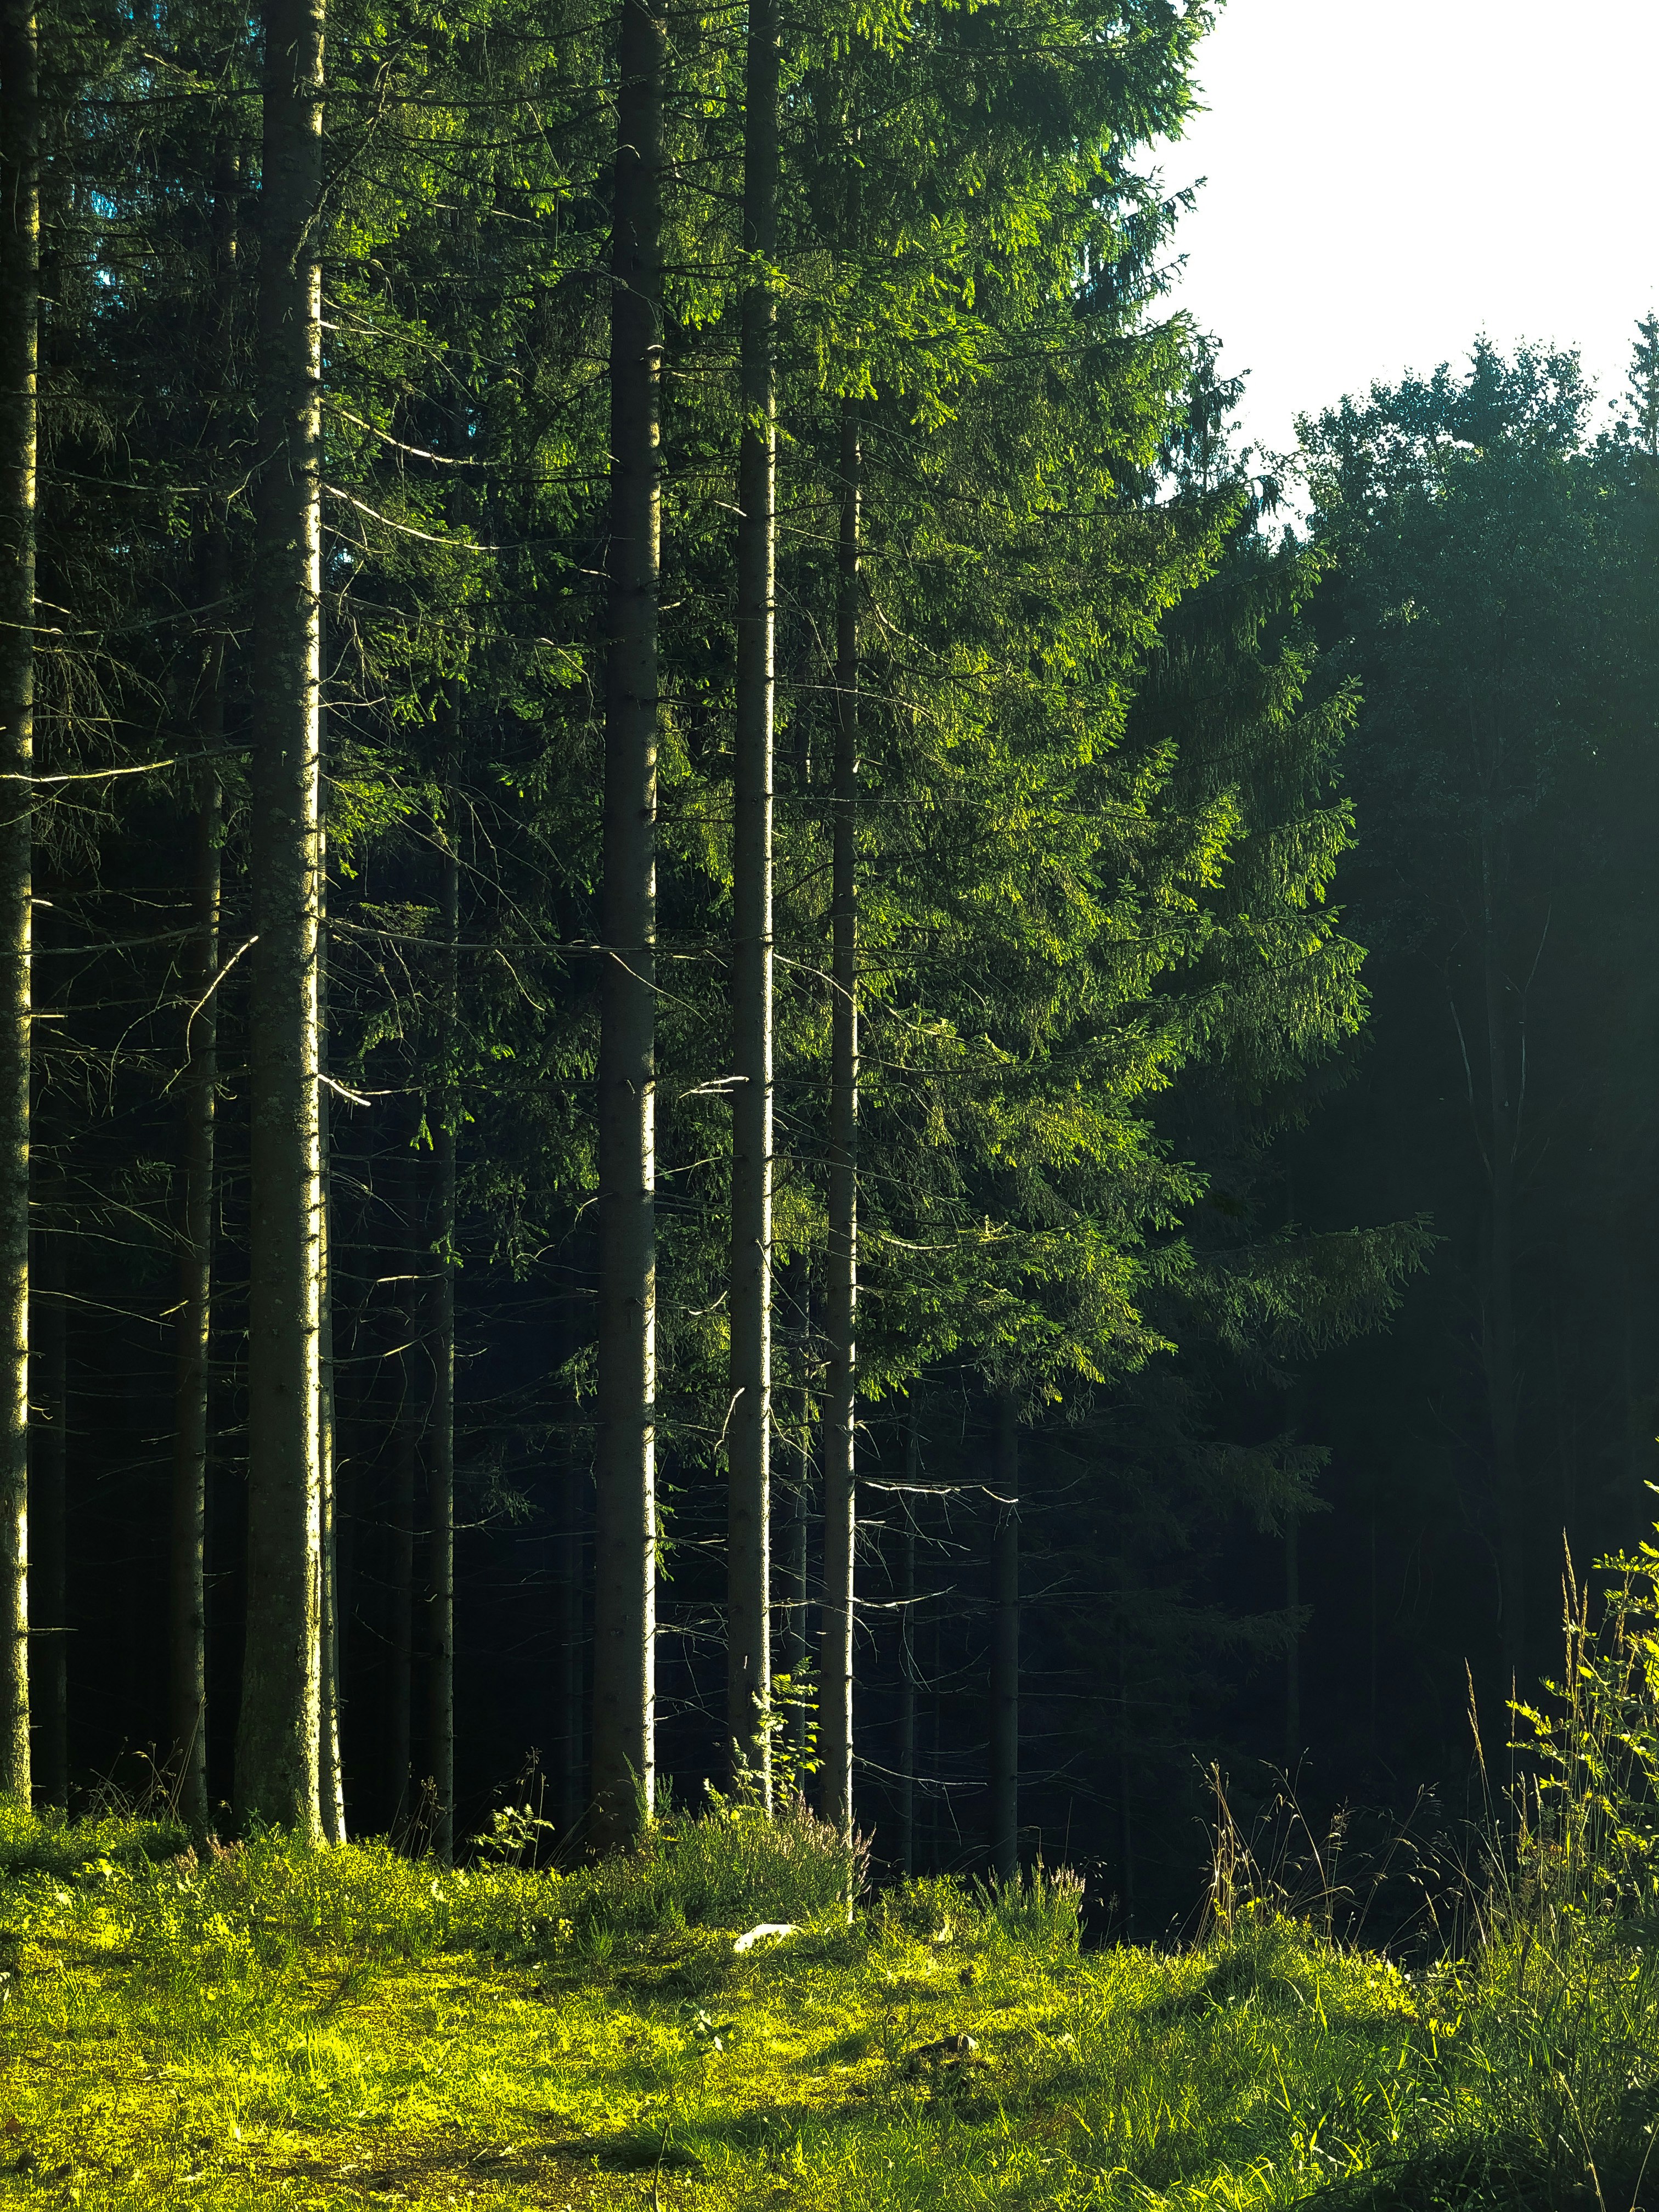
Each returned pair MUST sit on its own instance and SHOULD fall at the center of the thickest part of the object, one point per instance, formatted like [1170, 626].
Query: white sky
[1387, 177]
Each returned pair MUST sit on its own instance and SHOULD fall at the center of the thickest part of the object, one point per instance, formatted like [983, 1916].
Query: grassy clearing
[263, 2027]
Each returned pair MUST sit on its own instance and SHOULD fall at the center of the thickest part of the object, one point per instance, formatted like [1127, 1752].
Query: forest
[777, 1061]
[826, 1180]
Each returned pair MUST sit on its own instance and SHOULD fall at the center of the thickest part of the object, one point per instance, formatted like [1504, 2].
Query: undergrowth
[257, 2024]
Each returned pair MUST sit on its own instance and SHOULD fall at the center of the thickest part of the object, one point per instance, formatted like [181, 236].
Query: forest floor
[267, 2026]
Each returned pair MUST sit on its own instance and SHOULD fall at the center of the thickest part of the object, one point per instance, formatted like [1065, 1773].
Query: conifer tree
[19, 340]
[199, 1081]
[1004, 1650]
[625, 1543]
[440, 1730]
[277, 1734]
[748, 1446]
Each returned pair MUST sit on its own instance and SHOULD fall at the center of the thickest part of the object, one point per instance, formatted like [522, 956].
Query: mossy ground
[269, 2027]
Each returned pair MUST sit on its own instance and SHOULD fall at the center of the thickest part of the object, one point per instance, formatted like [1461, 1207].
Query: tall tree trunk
[791, 1508]
[49, 1519]
[841, 1319]
[440, 1678]
[1371, 1685]
[277, 1743]
[795, 1574]
[907, 1749]
[568, 1592]
[1498, 1330]
[330, 1772]
[749, 1434]
[625, 1512]
[190, 1451]
[1125, 1775]
[1293, 1746]
[19, 349]
[935, 1744]
[199, 1086]
[400, 1521]
[569, 1685]
[1005, 1653]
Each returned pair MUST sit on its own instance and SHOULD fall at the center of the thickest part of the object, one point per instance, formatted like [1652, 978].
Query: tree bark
[625, 1513]
[906, 1758]
[1126, 1773]
[200, 1085]
[841, 1319]
[330, 1771]
[794, 1572]
[934, 1751]
[278, 1733]
[1294, 1648]
[749, 1434]
[1005, 1653]
[19, 347]
[440, 1678]
[569, 1686]
[567, 1729]
[48, 1519]
[400, 1519]
[190, 1454]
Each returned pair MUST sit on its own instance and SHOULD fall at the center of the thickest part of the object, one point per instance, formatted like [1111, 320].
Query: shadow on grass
[1496, 2177]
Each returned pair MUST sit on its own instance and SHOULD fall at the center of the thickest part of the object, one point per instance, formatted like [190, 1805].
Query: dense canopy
[756, 1031]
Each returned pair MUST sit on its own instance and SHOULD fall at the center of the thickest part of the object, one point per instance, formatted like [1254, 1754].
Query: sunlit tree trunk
[1005, 1652]
[330, 1773]
[19, 343]
[49, 1519]
[749, 1429]
[277, 1734]
[841, 1314]
[625, 1514]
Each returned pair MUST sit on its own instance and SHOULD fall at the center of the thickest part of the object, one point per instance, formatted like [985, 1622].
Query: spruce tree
[19, 340]
[278, 1733]
[625, 1540]
[750, 1433]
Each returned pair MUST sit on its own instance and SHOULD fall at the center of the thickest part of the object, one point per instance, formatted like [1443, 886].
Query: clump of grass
[729, 1869]
[49, 1843]
[1042, 1909]
[929, 1908]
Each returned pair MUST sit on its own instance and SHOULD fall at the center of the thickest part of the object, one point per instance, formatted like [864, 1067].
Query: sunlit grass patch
[264, 2026]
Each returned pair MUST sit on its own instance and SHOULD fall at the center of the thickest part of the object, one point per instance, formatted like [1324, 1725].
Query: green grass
[265, 2027]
